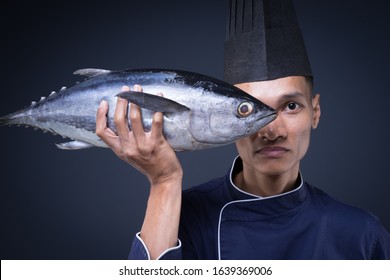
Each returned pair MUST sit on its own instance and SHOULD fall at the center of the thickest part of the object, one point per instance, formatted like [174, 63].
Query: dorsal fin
[91, 72]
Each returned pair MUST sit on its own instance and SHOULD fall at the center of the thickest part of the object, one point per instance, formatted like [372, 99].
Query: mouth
[272, 151]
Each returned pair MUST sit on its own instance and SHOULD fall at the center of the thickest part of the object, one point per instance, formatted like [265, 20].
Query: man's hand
[149, 152]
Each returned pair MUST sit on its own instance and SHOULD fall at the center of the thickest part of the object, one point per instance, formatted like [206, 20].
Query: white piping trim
[143, 244]
[170, 249]
[255, 197]
[258, 196]
[166, 251]
[219, 221]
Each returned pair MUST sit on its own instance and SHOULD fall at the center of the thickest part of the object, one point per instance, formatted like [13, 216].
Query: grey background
[88, 204]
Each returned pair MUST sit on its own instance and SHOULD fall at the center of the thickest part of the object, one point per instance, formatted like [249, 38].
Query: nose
[273, 131]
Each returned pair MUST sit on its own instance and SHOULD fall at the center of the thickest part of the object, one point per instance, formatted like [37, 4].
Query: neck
[266, 185]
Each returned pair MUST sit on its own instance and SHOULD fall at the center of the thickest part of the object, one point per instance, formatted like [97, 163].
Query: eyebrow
[291, 95]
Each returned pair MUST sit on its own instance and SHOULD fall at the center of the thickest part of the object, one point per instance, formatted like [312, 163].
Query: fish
[199, 111]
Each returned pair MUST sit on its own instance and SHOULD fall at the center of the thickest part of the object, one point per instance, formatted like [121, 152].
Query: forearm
[161, 224]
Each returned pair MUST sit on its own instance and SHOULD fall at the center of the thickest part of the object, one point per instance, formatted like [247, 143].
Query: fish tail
[13, 119]
[6, 120]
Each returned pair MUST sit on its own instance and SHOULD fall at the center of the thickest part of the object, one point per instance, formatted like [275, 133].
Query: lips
[273, 151]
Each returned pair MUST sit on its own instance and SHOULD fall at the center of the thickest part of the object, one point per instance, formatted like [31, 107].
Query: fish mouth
[264, 120]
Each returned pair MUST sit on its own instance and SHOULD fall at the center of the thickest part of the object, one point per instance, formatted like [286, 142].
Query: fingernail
[137, 87]
[102, 103]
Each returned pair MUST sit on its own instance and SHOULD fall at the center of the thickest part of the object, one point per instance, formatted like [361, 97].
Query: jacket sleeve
[140, 252]
[381, 248]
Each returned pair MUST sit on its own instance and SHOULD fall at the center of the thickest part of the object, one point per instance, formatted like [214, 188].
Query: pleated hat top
[263, 42]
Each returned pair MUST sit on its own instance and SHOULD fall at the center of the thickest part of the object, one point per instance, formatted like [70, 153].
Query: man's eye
[292, 106]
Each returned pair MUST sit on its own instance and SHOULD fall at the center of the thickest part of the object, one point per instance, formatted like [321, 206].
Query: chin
[272, 173]
[273, 169]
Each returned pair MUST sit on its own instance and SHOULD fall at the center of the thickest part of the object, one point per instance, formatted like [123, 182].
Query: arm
[151, 154]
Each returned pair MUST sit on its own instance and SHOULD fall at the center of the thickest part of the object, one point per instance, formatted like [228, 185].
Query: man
[262, 208]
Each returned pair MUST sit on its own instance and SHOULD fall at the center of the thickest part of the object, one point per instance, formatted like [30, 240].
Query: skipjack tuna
[199, 111]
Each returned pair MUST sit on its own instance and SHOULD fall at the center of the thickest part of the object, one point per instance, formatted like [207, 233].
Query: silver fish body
[199, 111]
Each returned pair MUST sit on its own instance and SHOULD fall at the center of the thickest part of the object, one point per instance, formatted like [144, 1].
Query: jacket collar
[270, 204]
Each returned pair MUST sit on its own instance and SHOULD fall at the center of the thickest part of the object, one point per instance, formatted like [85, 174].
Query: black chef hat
[263, 42]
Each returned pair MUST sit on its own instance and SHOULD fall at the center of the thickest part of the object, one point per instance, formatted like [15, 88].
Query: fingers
[136, 119]
[105, 133]
[101, 118]
[148, 152]
[157, 123]
[126, 139]
[145, 141]
[120, 117]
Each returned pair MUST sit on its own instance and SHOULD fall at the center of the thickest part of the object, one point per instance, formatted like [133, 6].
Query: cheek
[243, 145]
[301, 135]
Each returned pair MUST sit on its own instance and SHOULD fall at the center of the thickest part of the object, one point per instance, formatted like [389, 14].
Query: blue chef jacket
[219, 221]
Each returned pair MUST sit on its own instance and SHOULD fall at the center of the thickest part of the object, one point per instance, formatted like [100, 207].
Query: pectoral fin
[74, 145]
[153, 102]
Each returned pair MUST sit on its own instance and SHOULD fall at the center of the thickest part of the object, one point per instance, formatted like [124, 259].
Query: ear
[317, 110]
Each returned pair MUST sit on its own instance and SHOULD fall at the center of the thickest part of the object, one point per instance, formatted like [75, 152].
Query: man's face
[278, 147]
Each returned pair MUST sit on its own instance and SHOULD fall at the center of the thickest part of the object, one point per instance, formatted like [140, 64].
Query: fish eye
[245, 109]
